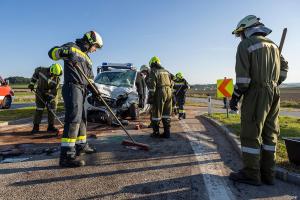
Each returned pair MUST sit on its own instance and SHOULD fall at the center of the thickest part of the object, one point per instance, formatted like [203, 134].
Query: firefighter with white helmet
[73, 142]
[260, 69]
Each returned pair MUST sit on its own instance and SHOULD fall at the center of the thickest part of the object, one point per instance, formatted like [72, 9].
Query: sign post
[225, 90]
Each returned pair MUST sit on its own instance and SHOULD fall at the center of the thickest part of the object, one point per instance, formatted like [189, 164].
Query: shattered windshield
[119, 78]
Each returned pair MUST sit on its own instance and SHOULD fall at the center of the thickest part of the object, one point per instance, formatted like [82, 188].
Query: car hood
[113, 91]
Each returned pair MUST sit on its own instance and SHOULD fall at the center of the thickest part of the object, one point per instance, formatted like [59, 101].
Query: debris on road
[14, 160]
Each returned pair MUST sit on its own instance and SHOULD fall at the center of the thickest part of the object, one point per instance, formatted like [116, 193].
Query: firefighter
[160, 96]
[73, 142]
[180, 88]
[259, 71]
[47, 80]
[145, 71]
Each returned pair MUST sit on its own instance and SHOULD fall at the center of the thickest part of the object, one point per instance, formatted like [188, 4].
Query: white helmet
[94, 38]
[246, 22]
[144, 68]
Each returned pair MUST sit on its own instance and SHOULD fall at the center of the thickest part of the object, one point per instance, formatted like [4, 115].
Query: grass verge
[14, 114]
[289, 127]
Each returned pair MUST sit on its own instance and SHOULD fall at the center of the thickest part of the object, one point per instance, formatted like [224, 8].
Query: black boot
[183, 116]
[35, 129]
[71, 162]
[241, 177]
[85, 149]
[166, 123]
[155, 130]
[52, 129]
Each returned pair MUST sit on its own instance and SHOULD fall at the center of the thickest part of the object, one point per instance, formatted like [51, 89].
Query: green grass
[26, 96]
[14, 114]
[289, 127]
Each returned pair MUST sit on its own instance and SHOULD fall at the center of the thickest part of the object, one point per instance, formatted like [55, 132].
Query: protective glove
[31, 86]
[234, 103]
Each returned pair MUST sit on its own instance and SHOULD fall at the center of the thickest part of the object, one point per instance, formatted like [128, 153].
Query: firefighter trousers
[75, 119]
[40, 106]
[162, 106]
[259, 130]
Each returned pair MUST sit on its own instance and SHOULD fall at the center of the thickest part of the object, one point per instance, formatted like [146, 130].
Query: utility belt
[263, 84]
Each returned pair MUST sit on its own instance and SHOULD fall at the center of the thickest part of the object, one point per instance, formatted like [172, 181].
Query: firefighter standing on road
[47, 79]
[259, 71]
[180, 88]
[145, 71]
[160, 96]
[73, 142]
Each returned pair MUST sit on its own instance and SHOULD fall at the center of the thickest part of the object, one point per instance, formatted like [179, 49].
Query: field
[290, 97]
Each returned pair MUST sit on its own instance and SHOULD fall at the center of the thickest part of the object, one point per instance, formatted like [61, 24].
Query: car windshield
[119, 78]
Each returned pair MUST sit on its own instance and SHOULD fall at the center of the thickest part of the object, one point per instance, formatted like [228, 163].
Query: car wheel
[7, 102]
[134, 111]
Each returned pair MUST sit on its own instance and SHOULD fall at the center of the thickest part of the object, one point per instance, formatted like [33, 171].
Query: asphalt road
[21, 105]
[193, 164]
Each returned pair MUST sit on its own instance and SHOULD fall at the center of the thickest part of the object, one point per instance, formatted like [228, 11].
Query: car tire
[134, 111]
[7, 102]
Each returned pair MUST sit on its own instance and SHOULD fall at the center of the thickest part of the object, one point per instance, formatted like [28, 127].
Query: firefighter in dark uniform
[180, 88]
[260, 69]
[145, 71]
[73, 142]
[47, 80]
[160, 96]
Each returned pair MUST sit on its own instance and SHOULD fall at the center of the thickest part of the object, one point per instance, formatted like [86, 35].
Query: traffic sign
[224, 88]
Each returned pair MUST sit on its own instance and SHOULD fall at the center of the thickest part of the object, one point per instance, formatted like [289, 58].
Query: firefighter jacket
[180, 87]
[159, 78]
[258, 63]
[73, 53]
[46, 84]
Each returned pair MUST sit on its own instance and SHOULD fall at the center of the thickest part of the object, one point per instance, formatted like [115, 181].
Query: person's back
[160, 95]
[264, 58]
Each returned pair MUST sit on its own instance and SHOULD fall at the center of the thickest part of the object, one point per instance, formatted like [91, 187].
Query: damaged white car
[124, 90]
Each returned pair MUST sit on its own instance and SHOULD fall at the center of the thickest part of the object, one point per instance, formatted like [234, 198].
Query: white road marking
[212, 174]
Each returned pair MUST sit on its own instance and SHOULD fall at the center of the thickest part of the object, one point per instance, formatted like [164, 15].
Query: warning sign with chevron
[224, 88]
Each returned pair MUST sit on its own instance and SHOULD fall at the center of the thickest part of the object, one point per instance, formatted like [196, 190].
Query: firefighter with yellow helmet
[47, 80]
[160, 96]
[260, 69]
[180, 88]
[74, 91]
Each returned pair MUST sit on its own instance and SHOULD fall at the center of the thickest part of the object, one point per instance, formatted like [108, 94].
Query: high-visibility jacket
[73, 53]
[159, 78]
[180, 87]
[46, 84]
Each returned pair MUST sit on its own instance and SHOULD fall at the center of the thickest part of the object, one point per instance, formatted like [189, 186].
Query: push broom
[97, 93]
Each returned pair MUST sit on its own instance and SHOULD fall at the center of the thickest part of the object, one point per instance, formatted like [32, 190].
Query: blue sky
[191, 36]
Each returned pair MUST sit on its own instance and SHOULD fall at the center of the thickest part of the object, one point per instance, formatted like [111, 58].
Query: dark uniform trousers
[40, 106]
[75, 119]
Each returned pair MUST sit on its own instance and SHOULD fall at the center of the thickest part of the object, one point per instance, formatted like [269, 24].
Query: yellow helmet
[154, 59]
[56, 69]
[179, 75]
[246, 22]
[94, 38]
